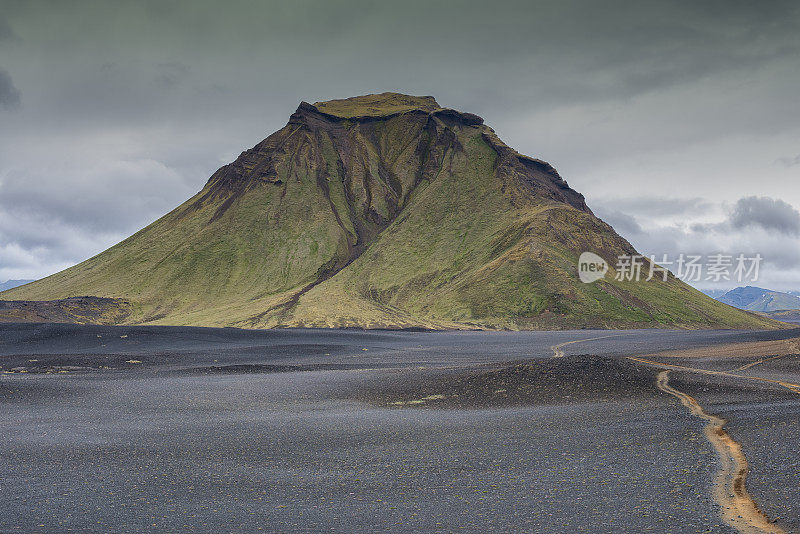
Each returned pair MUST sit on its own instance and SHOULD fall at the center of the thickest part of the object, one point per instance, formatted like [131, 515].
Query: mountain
[380, 211]
[8, 284]
[758, 299]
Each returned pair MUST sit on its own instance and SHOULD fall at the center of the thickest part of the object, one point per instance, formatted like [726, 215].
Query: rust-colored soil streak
[747, 366]
[738, 508]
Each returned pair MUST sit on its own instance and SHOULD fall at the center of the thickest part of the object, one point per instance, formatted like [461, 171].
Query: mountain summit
[380, 211]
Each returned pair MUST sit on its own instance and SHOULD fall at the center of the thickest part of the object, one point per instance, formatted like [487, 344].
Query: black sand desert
[152, 429]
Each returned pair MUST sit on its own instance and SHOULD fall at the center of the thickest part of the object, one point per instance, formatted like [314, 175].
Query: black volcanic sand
[572, 379]
[151, 429]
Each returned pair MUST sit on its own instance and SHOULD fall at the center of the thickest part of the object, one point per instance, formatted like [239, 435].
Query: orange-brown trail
[738, 508]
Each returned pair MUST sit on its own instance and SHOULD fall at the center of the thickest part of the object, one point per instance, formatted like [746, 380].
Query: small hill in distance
[786, 316]
[9, 284]
[757, 299]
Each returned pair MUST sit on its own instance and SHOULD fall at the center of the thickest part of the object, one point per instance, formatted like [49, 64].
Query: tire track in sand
[738, 509]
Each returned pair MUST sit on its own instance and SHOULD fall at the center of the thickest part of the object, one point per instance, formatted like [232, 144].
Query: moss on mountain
[379, 105]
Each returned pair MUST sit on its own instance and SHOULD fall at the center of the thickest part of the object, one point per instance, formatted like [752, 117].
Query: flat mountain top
[378, 105]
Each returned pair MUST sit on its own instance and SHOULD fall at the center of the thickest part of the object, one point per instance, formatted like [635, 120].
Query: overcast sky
[679, 121]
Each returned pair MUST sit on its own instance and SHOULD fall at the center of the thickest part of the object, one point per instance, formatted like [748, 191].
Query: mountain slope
[380, 211]
[757, 299]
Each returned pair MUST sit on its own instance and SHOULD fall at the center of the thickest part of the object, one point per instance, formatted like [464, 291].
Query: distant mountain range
[378, 211]
[8, 284]
[757, 299]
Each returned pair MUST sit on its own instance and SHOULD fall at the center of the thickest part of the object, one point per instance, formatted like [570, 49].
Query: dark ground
[136, 429]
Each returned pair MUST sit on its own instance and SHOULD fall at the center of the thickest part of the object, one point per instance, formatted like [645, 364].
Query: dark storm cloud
[763, 214]
[527, 53]
[789, 162]
[6, 33]
[9, 95]
[767, 213]
[170, 74]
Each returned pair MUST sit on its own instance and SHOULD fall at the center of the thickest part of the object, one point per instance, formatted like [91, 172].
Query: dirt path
[738, 508]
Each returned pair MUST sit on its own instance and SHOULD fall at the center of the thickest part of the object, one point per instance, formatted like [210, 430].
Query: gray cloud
[766, 213]
[171, 73]
[752, 225]
[545, 53]
[9, 95]
[73, 211]
[6, 33]
[789, 162]
[623, 223]
[653, 206]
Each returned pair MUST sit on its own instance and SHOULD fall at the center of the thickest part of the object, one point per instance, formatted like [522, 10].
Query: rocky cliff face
[379, 211]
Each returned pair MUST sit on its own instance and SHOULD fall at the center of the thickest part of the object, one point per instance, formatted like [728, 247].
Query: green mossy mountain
[380, 211]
